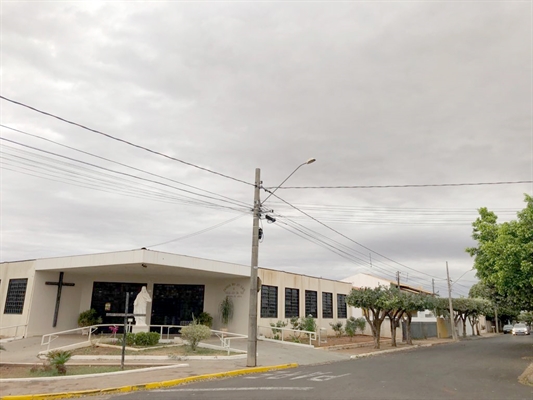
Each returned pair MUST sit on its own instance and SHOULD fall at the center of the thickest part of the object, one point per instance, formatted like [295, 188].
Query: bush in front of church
[146, 338]
[195, 333]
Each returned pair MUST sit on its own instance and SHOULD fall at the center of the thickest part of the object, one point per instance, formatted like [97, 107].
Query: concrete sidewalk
[271, 355]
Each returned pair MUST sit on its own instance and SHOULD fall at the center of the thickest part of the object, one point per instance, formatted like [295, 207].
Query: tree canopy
[504, 254]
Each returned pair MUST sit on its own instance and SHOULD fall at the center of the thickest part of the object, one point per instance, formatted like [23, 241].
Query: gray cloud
[379, 93]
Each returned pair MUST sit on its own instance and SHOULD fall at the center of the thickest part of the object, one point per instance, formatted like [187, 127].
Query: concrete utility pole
[452, 322]
[398, 279]
[251, 360]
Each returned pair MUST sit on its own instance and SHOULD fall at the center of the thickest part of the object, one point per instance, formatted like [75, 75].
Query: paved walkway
[270, 355]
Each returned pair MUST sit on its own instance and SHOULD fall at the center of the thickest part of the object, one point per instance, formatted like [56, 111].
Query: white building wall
[24, 269]
[283, 280]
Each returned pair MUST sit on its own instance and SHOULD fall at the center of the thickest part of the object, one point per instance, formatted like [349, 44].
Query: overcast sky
[380, 93]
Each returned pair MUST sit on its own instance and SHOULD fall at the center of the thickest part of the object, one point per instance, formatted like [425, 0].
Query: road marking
[320, 376]
[232, 389]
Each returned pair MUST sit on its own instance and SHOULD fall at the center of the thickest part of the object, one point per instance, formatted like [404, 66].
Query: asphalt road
[471, 369]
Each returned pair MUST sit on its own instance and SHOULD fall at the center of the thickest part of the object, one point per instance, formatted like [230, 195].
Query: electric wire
[124, 141]
[353, 241]
[406, 185]
[116, 172]
[198, 232]
[118, 163]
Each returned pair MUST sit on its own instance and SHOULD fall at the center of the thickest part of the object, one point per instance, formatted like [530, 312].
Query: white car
[520, 329]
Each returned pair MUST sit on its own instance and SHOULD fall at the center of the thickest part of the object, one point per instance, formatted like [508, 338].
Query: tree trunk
[376, 330]
[464, 325]
[408, 337]
[393, 331]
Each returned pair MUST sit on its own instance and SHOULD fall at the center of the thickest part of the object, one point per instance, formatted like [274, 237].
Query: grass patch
[172, 351]
[40, 371]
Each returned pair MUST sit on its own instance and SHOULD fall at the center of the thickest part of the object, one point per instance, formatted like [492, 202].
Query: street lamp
[251, 360]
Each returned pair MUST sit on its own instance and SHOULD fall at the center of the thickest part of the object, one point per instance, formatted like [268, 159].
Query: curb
[153, 385]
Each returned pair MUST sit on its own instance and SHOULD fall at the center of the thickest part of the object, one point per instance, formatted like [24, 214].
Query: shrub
[141, 339]
[337, 327]
[205, 319]
[350, 328]
[146, 338]
[88, 318]
[58, 359]
[195, 333]
[308, 324]
[353, 325]
[277, 332]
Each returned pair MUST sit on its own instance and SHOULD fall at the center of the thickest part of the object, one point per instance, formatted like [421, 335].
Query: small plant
[337, 327]
[205, 319]
[226, 310]
[88, 318]
[2, 347]
[308, 324]
[353, 325]
[58, 358]
[275, 329]
[360, 324]
[114, 330]
[195, 333]
[146, 338]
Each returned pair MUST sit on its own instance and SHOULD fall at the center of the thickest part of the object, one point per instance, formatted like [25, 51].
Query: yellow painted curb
[154, 385]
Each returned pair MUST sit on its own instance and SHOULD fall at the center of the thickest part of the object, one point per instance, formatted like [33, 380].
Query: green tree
[504, 254]
[506, 308]
[412, 303]
[376, 304]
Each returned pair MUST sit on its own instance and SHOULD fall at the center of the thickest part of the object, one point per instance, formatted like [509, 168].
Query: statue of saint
[139, 306]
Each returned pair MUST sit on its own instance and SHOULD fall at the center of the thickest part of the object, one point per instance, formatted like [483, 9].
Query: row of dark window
[269, 303]
[16, 293]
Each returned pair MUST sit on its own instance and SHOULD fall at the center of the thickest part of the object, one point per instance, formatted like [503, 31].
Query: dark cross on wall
[59, 285]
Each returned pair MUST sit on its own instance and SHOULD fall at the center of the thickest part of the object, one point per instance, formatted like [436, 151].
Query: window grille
[341, 306]
[16, 293]
[269, 301]
[311, 305]
[292, 302]
[327, 305]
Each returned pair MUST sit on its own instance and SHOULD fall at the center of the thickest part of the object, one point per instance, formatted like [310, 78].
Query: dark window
[176, 304]
[269, 301]
[16, 293]
[327, 305]
[110, 297]
[292, 302]
[311, 303]
[341, 306]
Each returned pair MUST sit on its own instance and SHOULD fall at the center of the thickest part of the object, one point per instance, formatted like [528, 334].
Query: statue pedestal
[139, 328]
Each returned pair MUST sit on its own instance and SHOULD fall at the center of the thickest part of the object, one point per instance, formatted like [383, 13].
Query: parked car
[520, 329]
[507, 328]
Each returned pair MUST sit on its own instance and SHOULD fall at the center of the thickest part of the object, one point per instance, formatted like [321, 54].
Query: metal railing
[16, 327]
[294, 336]
[225, 337]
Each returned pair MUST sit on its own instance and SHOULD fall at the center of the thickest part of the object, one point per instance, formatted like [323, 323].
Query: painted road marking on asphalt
[234, 389]
[319, 376]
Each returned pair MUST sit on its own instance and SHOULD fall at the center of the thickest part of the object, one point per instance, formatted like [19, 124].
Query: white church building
[47, 295]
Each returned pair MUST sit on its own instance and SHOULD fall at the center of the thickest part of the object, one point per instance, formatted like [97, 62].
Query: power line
[198, 232]
[121, 164]
[404, 186]
[350, 239]
[115, 172]
[124, 141]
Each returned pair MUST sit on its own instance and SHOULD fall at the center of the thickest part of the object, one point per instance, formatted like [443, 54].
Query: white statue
[139, 306]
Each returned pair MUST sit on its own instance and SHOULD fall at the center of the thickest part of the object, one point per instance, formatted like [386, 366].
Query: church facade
[47, 295]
